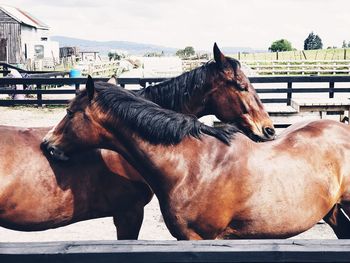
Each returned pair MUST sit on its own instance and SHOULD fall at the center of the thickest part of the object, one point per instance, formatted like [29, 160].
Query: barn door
[3, 50]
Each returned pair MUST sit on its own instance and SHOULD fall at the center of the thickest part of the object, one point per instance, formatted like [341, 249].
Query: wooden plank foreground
[178, 251]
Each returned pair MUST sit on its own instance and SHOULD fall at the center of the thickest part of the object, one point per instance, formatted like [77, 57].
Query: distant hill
[105, 46]
[234, 50]
[133, 47]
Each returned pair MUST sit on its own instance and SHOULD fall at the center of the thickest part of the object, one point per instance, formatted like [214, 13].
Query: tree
[313, 42]
[189, 51]
[344, 45]
[154, 54]
[281, 45]
[180, 53]
[114, 55]
[186, 52]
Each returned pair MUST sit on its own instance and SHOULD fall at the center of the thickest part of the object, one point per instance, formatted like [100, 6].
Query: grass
[320, 54]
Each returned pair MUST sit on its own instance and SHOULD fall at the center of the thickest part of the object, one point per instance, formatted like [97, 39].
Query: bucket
[74, 73]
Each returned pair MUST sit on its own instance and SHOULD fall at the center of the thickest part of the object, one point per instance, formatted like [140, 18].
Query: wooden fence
[5, 69]
[106, 68]
[178, 251]
[299, 67]
[285, 91]
[321, 54]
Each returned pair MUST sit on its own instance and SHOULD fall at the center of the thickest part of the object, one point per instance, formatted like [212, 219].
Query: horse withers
[214, 183]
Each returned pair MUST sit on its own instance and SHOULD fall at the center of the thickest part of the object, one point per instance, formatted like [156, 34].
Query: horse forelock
[151, 122]
[234, 62]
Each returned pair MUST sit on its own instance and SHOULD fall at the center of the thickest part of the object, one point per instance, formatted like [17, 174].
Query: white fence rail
[299, 67]
[287, 67]
[99, 68]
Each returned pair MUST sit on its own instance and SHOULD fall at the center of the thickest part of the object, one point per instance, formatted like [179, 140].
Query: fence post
[142, 83]
[77, 88]
[331, 89]
[39, 96]
[304, 55]
[289, 92]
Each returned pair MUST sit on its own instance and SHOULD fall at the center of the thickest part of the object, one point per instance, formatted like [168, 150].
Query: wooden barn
[24, 37]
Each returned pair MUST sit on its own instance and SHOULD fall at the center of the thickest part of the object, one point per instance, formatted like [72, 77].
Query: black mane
[174, 93]
[150, 121]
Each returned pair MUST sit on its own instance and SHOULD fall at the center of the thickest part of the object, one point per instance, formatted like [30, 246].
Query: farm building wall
[17, 40]
[10, 39]
[31, 37]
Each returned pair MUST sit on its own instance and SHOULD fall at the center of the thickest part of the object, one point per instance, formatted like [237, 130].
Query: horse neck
[184, 94]
[150, 160]
[162, 166]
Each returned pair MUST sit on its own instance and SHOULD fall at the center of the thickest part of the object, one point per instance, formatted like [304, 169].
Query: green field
[321, 54]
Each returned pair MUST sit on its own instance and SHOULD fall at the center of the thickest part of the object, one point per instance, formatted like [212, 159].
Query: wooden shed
[22, 36]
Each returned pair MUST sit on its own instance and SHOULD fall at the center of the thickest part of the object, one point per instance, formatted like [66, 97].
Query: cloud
[178, 23]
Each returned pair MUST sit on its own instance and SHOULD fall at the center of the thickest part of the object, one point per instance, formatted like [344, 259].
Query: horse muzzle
[259, 135]
[269, 132]
[53, 151]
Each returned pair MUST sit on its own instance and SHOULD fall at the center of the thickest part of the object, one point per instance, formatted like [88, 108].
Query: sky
[197, 23]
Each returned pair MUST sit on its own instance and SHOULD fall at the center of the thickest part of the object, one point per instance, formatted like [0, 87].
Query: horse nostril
[44, 145]
[269, 132]
[52, 150]
[56, 153]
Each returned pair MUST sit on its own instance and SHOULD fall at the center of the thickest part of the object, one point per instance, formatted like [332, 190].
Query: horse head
[233, 99]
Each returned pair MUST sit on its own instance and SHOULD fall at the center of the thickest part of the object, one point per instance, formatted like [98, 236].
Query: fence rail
[286, 92]
[178, 251]
[106, 68]
[299, 67]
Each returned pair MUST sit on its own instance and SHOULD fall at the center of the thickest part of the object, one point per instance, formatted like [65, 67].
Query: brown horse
[102, 184]
[217, 88]
[206, 188]
[38, 194]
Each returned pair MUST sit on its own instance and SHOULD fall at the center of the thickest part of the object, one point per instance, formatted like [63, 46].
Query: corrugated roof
[23, 17]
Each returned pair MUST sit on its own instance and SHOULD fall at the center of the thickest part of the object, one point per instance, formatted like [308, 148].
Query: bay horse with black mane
[216, 88]
[38, 194]
[210, 188]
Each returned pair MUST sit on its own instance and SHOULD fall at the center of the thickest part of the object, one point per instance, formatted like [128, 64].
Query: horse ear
[113, 80]
[219, 57]
[90, 87]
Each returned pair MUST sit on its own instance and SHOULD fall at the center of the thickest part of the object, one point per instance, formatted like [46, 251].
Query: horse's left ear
[90, 87]
[219, 57]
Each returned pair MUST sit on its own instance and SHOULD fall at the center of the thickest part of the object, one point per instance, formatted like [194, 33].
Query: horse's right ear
[90, 87]
[219, 57]
[113, 80]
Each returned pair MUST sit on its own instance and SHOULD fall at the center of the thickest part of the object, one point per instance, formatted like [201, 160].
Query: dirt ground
[153, 227]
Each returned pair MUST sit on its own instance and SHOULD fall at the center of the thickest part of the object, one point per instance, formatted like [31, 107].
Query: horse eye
[243, 88]
[238, 86]
[69, 113]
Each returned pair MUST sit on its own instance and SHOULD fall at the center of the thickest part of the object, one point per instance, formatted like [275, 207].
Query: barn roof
[23, 17]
